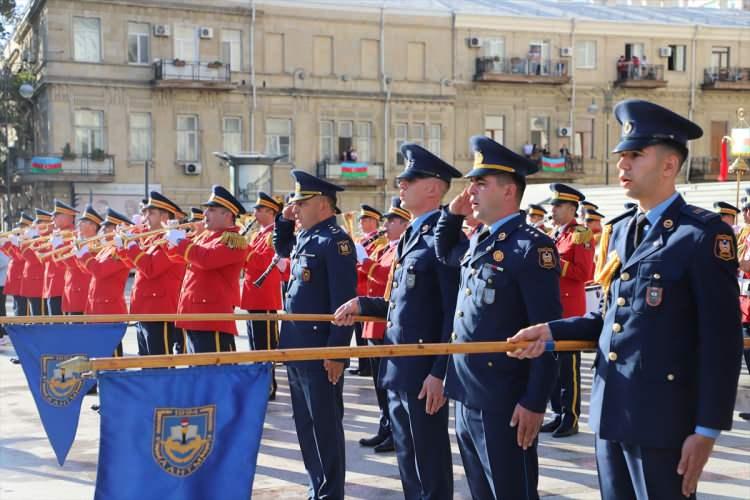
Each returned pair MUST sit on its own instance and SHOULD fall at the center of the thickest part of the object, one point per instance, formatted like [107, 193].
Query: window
[279, 137]
[400, 136]
[232, 131]
[138, 39]
[539, 131]
[140, 137]
[364, 138]
[434, 143]
[586, 54]
[89, 130]
[634, 49]
[676, 60]
[493, 50]
[416, 132]
[186, 43]
[346, 130]
[86, 39]
[720, 57]
[187, 138]
[231, 49]
[326, 140]
[494, 128]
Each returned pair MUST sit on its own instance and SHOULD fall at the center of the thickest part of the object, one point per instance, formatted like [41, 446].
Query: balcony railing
[54, 167]
[703, 169]
[521, 69]
[186, 73]
[726, 78]
[352, 173]
[640, 75]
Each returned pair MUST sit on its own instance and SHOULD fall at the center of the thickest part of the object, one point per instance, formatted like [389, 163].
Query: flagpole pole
[83, 364]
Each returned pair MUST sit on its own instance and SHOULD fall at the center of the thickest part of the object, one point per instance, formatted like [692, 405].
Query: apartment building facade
[125, 88]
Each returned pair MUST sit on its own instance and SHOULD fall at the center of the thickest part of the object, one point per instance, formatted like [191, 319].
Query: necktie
[640, 223]
[483, 234]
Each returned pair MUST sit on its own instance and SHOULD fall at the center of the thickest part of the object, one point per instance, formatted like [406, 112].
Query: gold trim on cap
[268, 204]
[368, 213]
[728, 211]
[536, 211]
[565, 196]
[593, 217]
[224, 203]
[400, 212]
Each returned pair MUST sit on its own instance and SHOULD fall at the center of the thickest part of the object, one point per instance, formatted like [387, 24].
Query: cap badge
[478, 159]
[627, 128]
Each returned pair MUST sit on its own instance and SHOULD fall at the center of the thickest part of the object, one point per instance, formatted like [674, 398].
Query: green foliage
[67, 152]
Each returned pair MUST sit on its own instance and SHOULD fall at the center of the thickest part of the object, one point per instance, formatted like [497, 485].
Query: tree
[9, 15]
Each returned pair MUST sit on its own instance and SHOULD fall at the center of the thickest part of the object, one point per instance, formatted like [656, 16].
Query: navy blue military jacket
[670, 343]
[509, 280]
[323, 276]
[419, 310]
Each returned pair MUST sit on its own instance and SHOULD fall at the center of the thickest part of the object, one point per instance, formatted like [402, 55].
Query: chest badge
[344, 248]
[498, 256]
[306, 274]
[654, 295]
[501, 237]
[668, 224]
[425, 228]
[724, 247]
[546, 258]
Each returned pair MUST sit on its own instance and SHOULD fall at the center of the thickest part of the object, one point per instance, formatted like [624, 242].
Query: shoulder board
[582, 235]
[625, 215]
[234, 240]
[700, 214]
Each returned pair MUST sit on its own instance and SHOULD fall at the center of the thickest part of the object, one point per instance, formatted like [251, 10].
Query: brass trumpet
[138, 236]
[349, 218]
[17, 230]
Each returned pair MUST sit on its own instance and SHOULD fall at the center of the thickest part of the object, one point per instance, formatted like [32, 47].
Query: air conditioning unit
[161, 30]
[207, 33]
[474, 42]
[192, 168]
[563, 132]
[566, 52]
[665, 51]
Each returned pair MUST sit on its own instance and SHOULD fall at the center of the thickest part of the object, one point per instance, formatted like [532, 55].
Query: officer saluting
[324, 276]
[419, 306]
[509, 279]
[667, 363]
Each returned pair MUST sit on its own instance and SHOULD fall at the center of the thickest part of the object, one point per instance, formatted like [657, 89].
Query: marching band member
[728, 213]
[63, 219]
[77, 279]
[32, 286]
[535, 217]
[15, 267]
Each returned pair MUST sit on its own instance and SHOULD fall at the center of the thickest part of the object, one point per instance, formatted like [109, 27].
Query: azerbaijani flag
[46, 165]
[553, 164]
[353, 169]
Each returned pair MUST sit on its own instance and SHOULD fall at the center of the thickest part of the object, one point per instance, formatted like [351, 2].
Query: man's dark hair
[518, 180]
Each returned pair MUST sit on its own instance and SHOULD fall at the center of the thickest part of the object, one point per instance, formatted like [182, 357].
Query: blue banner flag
[186, 433]
[58, 392]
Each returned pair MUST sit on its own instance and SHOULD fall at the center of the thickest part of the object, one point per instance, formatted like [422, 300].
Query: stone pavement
[28, 470]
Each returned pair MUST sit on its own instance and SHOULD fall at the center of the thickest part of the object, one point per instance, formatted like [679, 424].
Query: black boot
[385, 446]
[568, 427]
[374, 441]
[552, 425]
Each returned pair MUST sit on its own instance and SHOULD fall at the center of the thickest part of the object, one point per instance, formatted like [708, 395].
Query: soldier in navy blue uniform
[419, 305]
[510, 279]
[669, 341]
[323, 276]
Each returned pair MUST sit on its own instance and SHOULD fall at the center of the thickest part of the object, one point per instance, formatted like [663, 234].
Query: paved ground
[28, 470]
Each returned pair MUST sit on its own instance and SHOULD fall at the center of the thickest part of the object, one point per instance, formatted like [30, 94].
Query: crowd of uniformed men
[479, 269]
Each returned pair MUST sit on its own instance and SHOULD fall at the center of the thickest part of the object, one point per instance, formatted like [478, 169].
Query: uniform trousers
[54, 306]
[263, 335]
[496, 467]
[20, 306]
[384, 424]
[209, 341]
[159, 337]
[423, 448]
[630, 471]
[566, 396]
[318, 410]
[37, 306]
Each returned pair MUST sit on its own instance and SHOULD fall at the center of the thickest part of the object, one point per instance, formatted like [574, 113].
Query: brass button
[421, 341]
[625, 276]
[621, 301]
[612, 356]
[315, 327]
[395, 284]
[617, 328]
[460, 314]
[657, 276]
[204, 301]
[454, 336]
[398, 265]
[468, 291]
[489, 281]
[670, 376]
[489, 363]
[153, 294]
[393, 305]
[390, 324]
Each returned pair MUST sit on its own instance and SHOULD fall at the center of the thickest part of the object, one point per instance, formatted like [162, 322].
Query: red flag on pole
[724, 161]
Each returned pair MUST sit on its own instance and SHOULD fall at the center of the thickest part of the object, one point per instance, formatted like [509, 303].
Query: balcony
[176, 73]
[726, 78]
[556, 168]
[55, 168]
[640, 76]
[521, 70]
[352, 174]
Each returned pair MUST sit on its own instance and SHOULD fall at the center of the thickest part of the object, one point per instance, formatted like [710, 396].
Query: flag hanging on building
[553, 164]
[58, 392]
[353, 169]
[46, 165]
[181, 434]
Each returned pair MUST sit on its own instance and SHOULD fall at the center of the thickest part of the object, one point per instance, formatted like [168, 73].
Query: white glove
[361, 253]
[118, 241]
[282, 264]
[56, 241]
[15, 240]
[137, 219]
[32, 232]
[82, 251]
[174, 236]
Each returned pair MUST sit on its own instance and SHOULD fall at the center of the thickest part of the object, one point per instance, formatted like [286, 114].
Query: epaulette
[234, 240]
[582, 235]
[700, 214]
[625, 215]
[269, 240]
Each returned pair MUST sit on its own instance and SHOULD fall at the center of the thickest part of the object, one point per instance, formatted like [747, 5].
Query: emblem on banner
[60, 386]
[183, 438]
